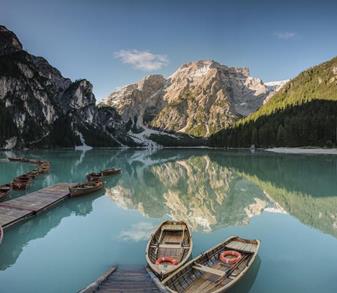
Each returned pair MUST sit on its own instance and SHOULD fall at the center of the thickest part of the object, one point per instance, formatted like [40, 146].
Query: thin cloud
[285, 35]
[143, 60]
[137, 232]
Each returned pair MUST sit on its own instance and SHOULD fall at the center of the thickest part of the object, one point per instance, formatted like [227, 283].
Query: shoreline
[303, 150]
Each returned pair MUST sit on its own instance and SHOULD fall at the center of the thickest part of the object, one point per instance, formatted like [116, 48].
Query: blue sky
[112, 43]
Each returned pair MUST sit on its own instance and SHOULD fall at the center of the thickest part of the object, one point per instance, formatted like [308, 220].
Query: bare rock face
[200, 98]
[41, 108]
[9, 43]
[138, 102]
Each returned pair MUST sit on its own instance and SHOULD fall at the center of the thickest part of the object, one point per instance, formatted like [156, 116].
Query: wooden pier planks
[17, 209]
[134, 279]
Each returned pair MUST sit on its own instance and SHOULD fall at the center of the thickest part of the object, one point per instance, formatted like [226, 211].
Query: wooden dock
[20, 208]
[134, 279]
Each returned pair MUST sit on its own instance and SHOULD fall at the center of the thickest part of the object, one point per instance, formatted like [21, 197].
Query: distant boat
[15, 159]
[112, 171]
[217, 269]
[32, 174]
[21, 182]
[94, 176]
[44, 167]
[85, 188]
[169, 248]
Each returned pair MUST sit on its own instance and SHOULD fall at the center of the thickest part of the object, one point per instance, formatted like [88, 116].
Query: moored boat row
[23, 181]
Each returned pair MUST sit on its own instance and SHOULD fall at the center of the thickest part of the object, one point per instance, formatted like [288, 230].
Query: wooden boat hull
[171, 239]
[94, 176]
[207, 273]
[109, 172]
[3, 194]
[5, 189]
[84, 189]
[15, 159]
[19, 185]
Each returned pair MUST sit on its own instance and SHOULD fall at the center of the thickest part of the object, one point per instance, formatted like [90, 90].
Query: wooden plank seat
[206, 269]
[173, 246]
[241, 246]
[173, 227]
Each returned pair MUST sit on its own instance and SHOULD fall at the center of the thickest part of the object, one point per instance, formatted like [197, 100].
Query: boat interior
[208, 273]
[171, 240]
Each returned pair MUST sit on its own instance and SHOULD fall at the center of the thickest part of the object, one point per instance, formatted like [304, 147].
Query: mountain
[301, 113]
[200, 98]
[274, 87]
[41, 108]
[316, 83]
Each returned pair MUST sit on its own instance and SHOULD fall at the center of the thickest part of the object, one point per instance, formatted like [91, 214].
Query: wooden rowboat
[4, 189]
[20, 185]
[217, 269]
[1, 234]
[44, 168]
[94, 176]
[23, 178]
[112, 171]
[169, 248]
[21, 182]
[32, 174]
[15, 159]
[85, 188]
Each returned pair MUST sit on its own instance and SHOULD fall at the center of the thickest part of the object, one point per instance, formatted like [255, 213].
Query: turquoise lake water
[289, 202]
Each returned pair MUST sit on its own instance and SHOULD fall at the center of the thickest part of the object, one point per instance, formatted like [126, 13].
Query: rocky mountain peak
[199, 98]
[135, 102]
[9, 42]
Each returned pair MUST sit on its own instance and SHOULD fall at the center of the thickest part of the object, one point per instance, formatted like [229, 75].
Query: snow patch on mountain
[274, 87]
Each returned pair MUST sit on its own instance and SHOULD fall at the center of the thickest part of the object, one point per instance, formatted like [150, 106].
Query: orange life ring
[235, 256]
[169, 259]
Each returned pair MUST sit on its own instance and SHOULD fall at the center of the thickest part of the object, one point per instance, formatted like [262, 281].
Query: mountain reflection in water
[210, 189]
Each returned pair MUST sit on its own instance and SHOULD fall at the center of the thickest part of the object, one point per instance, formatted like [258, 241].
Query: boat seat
[245, 247]
[206, 269]
[170, 246]
[173, 227]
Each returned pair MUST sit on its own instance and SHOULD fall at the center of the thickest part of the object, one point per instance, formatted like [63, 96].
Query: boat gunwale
[230, 284]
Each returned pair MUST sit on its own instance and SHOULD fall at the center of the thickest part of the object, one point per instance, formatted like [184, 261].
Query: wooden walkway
[134, 279]
[18, 209]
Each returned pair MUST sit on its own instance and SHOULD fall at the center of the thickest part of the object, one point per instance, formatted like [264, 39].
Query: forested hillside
[302, 113]
[318, 82]
[310, 124]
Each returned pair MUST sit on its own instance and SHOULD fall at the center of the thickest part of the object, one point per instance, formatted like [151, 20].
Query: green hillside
[319, 82]
[302, 113]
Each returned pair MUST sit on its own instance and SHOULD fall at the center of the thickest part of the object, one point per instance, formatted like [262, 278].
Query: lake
[289, 202]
